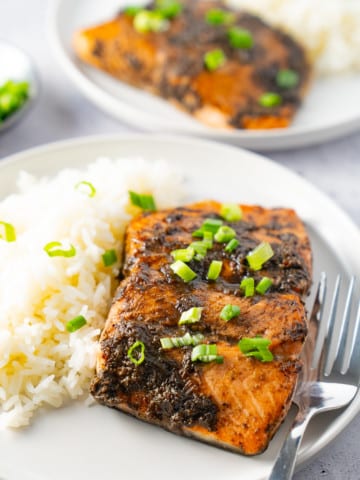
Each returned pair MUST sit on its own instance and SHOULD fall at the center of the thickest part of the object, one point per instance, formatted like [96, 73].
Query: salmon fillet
[240, 403]
[170, 64]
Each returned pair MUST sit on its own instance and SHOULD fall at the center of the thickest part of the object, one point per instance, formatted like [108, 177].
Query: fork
[322, 385]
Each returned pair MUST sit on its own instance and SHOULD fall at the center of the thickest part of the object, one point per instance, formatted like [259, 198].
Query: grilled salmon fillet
[240, 403]
[170, 64]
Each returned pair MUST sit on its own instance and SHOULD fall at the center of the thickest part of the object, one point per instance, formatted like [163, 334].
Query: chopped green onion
[138, 348]
[264, 285]
[211, 225]
[150, 21]
[144, 201]
[109, 258]
[257, 347]
[13, 95]
[131, 11]
[208, 239]
[9, 232]
[87, 188]
[229, 312]
[230, 247]
[168, 8]
[214, 270]
[56, 249]
[231, 212]
[206, 353]
[193, 315]
[199, 233]
[225, 234]
[216, 16]
[240, 38]
[248, 286]
[199, 247]
[183, 271]
[76, 323]
[183, 254]
[214, 59]
[185, 341]
[261, 254]
[287, 78]
[270, 99]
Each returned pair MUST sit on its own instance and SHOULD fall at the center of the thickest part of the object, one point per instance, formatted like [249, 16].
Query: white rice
[40, 362]
[329, 29]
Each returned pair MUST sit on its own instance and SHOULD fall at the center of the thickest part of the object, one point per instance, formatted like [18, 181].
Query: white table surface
[62, 112]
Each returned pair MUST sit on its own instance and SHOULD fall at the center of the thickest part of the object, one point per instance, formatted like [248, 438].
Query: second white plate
[331, 110]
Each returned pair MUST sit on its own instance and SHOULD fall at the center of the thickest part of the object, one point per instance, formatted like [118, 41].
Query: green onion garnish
[13, 95]
[193, 315]
[138, 348]
[270, 99]
[150, 21]
[230, 247]
[144, 201]
[199, 247]
[208, 239]
[168, 8]
[263, 286]
[56, 249]
[211, 225]
[261, 254]
[257, 347]
[9, 234]
[206, 353]
[132, 10]
[183, 271]
[229, 312]
[185, 341]
[287, 78]
[240, 38]
[231, 212]
[216, 16]
[214, 270]
[214, 59]
[199, 233]
[109, 258]
[224, 234]
[86, 187]
[75, 323]
[248, 286]
[183, 254]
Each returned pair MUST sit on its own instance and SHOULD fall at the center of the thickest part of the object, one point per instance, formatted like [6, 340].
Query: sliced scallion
[109, 258]
[240, 38]
[150, 21]
[231, 212]
[183, 254]
[257, 347]
[224, 234]
[183, 271]
[229, 312]
[261, 254]
[263, 286]
[214, 270]
[136, 352]
[270, 99]
[185, 341]
[168, 8]
[208, 239]
[56, 249]
[248, 286]
[206, 353]
[287, 78]
[144, 201]
[86, 188]
[199, 247]
[75, 324]
[214, 59]
[216, 16]
[9, 234]
[131, 11]
[230, 247]
[193, 315]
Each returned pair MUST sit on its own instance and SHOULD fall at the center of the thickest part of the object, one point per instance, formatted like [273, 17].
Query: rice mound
[329, 29]
[40, 362]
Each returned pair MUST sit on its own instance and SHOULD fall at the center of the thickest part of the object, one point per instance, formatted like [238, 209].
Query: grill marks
[238, 404]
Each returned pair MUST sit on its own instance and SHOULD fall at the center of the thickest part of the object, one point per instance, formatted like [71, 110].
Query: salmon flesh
[240, 403]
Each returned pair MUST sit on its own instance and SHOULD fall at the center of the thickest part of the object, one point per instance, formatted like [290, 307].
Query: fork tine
[336, 329]
[333, 330]
[351, 340]
[317, 325]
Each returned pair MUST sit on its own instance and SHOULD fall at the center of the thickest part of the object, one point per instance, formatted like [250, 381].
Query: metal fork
[322, 384]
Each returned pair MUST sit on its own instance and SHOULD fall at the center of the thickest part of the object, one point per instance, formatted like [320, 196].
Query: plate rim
[275, 139]
[343, 419]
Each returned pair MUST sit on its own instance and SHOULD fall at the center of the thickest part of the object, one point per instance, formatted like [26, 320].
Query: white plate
[97, 442]
[331, 110]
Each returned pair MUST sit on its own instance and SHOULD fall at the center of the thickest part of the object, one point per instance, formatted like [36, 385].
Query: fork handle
[285, 461]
